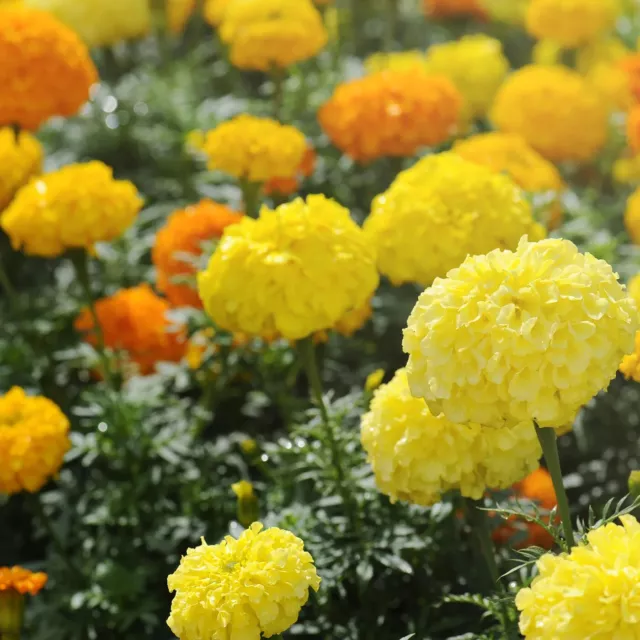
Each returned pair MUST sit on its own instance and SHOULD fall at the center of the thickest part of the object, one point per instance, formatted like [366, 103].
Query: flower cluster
[519, 335]
[241, 588]
[293, 271]
[263, 34]
[554, 110]
[477, 67]
[570, 23]
[21, 580]
[509, 153]
[417, 456]
[21, 159]
[46, 69]
[135, 321]
[441, 210]
[591, 592]
[391, 113]
[33, 440]
[253, 149]
[180, 242]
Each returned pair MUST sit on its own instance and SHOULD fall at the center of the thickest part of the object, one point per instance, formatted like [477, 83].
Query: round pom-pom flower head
[253, 149]
[591, 593]
[46, 69]
[241, 588]
[418, 457]
[33, 440]
[570, 23]
[72, 208]
[531, 334]
[20, 159]
[180, 243]
[264, 34]
[555, 110]
[441, 210]
[391, 113]
[295, 270]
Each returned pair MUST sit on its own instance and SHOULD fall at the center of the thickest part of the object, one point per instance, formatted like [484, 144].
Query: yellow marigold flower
[293, 271]
[555, 110]
[632, 216]
[395, 61]
[531, 334]
[570, 22]
[374, 380]
[612, 85]
[46, 70]
[476, 66]
[441, 210]
[20, 159]
[21, 580]
[241, 588]
[180, 242]
[263, 34]
[508, 11]
[135, 320]
[391, 113]
[214, 11]
[630, 365]
[591, 592]
[254, 149]
[33, 440]
[511, 154]
[74, 207]
[418, 457]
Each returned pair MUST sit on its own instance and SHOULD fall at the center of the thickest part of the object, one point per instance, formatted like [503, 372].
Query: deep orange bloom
[135, 321]
[633, 128]
[453, 8]
[631, 66]
[289, 186]
[537, 487]
[46, 69]
[391, 113]
[21, 580]
[182, 237]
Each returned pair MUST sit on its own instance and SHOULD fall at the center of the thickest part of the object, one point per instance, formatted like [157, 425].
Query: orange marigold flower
[179, 243]
[454, 8]
[46, 70]
[135, 321]
[537, 487]
[289, 186]
[21, 580]
[633, 128]
[391, 113]
[631, 66]
[34, 437]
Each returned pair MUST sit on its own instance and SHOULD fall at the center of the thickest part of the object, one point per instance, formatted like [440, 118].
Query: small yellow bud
[374, 380]
[248, 511]
[248, 446]
[243, 489]
[634, 484]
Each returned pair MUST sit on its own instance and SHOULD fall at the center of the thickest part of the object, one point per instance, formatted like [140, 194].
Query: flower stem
[251, 192]
[11, 614]
[548, 442]
[308, 357]
[80, 263]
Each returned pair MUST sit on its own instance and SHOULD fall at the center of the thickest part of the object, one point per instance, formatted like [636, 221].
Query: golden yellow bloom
[374, 380]
[214, 11]
[632, 216]
[509, 11]
[395, 61]
[630, 365]
[263, 34]
[555, 110]
[391, 113]
[441, 210]
[612, 86]
[33, 440]
[418, 457]
[511, 154]
[241, 588]
[254, 149]
[519, 335]
[20, 160]
[46, 70]
[21, 580]
[570, 22]
[74, 207]
[476, 66]
[592, 592]
[293, 271]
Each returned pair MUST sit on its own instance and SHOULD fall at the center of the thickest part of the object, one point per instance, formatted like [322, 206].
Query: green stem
[209, 394]
[307, 352]
[5, 281]
[11, 614]
[548, 442]
[278, 78]
[80, 263]
[251, 192]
